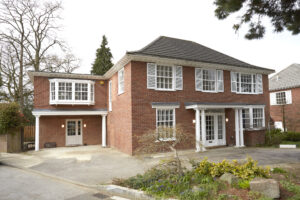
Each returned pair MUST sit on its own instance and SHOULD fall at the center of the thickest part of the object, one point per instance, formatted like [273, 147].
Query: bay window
[68, 91]
[253, 118]
[246, 83]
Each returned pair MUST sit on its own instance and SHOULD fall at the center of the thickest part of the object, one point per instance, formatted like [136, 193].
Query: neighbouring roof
[64, 75]
[287, 78]
[187, 50]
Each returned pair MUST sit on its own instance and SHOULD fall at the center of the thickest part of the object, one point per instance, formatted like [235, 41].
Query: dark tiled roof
[287, 78]
[187, 50]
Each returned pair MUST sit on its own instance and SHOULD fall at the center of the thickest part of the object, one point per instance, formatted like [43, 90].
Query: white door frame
[216, 141]
[80, 141]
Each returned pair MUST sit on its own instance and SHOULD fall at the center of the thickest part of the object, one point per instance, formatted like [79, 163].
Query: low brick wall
[255, 137]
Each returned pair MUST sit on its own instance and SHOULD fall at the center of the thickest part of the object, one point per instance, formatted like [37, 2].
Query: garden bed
[203, 181]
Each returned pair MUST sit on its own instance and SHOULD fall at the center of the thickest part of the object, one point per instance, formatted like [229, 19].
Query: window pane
[164, 77]
[209, 80]
[164, 123]
[246, 118]
[246, 83]
[258, 117]
[280, 98]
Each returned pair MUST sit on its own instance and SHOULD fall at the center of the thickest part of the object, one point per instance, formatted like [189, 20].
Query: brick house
[284, 90]
[166, 83]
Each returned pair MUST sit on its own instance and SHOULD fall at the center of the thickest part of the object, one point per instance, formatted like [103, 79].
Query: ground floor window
[253, 118]
[165, 124]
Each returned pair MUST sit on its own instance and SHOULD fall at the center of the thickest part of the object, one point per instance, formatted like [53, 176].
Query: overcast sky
[132, 24]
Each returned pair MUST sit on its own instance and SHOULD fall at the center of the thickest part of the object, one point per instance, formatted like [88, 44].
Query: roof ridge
[148, 45]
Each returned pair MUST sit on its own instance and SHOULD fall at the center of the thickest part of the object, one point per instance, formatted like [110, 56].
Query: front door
[215, 129]
[73, 132]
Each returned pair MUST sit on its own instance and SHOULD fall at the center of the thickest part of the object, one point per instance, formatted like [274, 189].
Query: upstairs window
[163, 77]
[81, 91]
[64, 91]
[281, 98]
[253, 118]
[246, 83]
[209, 80]
[52, 91]
[121, 81]
[68, 91]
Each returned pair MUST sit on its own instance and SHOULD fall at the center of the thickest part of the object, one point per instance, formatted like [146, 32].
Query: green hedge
[292, 136]
[276, 136]
[10, 117]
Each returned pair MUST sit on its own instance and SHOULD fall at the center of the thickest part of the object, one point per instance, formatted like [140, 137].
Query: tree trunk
[283, 118]
[178, 162]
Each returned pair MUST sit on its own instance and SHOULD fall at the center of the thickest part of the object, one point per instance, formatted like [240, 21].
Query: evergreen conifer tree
[103, 61]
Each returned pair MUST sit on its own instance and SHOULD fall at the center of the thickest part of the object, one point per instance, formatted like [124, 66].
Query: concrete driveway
[92, 165]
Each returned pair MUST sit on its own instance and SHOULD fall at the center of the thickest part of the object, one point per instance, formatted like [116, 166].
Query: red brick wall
[119, 121]
[143, 115]
[51, 130]
[292, 111]
[41, 96]
[252, 138]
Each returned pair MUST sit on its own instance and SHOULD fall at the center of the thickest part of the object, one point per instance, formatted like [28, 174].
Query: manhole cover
[100, 196]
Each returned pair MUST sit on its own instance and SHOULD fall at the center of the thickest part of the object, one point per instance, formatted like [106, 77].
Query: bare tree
[67, 64]
[10, 75]
[30, 29]
[155, 141]
[42, 22]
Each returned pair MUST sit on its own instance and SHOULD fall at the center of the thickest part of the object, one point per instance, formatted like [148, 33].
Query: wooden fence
[29, 132]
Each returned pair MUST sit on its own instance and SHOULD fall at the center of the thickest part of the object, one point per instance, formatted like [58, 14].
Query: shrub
[246, 171]
[292, 136]
[244, 184]
[10, 117]
[278, 170]
[274, 137]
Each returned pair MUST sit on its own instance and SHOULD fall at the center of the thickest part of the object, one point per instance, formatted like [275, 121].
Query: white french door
[73, 132]
[215, 129]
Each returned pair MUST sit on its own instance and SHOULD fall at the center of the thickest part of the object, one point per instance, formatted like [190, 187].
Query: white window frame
[288, 97]
[174, 123]
[177, 77]
[110, 95]
[218, 80]
[251, 118]
[238, 83]
[72, 101]
[121, 81]
[165, 77]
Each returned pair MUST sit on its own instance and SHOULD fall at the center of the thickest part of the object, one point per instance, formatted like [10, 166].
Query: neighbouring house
[218, 99]
[284, 90]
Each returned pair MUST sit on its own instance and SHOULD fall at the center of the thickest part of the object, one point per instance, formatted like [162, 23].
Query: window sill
[165, 139]
[120, 93]
[165, 90]
[247, 93]
[255, 129]
[72, 103]
[209, 91]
